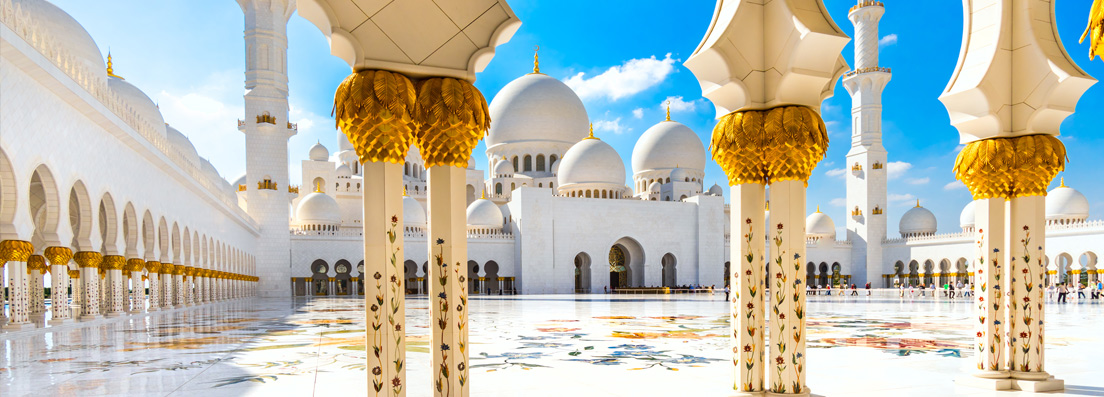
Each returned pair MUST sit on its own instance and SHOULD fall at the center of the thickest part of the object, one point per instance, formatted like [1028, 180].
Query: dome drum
[918, 221]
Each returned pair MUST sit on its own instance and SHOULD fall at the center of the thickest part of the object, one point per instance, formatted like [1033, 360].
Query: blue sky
[625, 61]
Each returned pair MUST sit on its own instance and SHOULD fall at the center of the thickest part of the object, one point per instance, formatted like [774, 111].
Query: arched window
[358, 186]
[552, 160]
[540, 184]
[528, 163]
[498, 188]
[515, 164]
[551, 185]
[540, 162]
[512, 186]
[588, 194]
[604, 194]
[668, 180]
[406, 169]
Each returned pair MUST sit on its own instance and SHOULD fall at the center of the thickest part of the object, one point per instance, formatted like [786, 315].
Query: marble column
[178, 286]
[448, 251]
[134, 268]
[89, 262]
[990, 232]
[166, 278]
[1025, 275]
[189, 288]
[36, 266]
[75, 291]
[116, 292]
[16, 253]
[383, 263]
[154, 269]
[748, 308]
[59, 258]
[786, 360]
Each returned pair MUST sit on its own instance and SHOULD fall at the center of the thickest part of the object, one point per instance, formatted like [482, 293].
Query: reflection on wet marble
[554, 345]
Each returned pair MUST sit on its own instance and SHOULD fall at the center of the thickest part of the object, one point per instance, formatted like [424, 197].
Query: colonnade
[88, 285]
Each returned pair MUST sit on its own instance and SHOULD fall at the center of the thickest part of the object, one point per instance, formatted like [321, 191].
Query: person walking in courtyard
[1062, 292]
[727, 290]
[921, 290]
[951, 289]
[1080, 292]
[1050, 292]
[854, 291]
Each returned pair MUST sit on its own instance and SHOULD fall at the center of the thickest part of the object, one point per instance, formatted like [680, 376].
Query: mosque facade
[555, 212]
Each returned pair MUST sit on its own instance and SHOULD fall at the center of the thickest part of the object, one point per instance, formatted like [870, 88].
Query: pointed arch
[109, 226]
[130, 230]
[80, 217]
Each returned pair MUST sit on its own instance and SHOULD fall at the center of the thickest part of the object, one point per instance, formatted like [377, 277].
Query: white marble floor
[555, 345]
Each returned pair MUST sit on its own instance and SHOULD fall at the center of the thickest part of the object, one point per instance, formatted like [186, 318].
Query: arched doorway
[810, 274]
[619, 272]
[342, 279]
[668, 270]
[914, 273]
[473, 277]
[582, 273]
[320, 281]
[728, 274]
[626, 260]
[360, 278]
[492, 285]
[410, 272]
[823, 275]
[898, 274]
[837, 279]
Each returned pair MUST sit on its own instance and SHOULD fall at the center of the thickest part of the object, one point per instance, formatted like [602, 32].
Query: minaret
[866, 161]
[267, 131]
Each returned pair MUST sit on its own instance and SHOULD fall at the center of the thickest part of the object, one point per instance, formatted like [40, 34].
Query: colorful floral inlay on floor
[585, 345]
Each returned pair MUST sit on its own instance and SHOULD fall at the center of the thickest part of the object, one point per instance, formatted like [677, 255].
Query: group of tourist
[1063, 290]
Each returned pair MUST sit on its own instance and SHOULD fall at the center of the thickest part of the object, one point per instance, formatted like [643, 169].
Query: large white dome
[139, 101]
[591, 161]
[820, 224]
[1066, 203]
[536, 107]
[667, 145]
[319, 209]
[68, 32]
[319, 152]
[413, 212]
[484, 213]
[182, 144]
[966, 218]
[917, 220]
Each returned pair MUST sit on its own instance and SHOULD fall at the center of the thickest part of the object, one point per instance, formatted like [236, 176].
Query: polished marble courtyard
[553, 345]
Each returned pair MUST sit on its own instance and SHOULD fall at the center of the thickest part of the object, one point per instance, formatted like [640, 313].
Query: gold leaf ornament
[373, 108]
[771, 145]
[1094, 30]
[451, 118]
[1010, 167]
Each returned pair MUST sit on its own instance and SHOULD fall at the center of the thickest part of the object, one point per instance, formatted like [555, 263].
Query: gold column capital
[74, 274]
[1010, 167]
[373, 108]
[88, 259]
[783, 143]
[58, 256]
[135, 264]
[452, 117]
[167, 268]
[113, 262]
[153, 266]
[15, 250]
[36, 262]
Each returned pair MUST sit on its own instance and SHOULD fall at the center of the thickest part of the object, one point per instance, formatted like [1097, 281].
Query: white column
[1026, 294]
[36, 265]
[166, 278]
[748, 308]
[448, 273]
[383, 277]
[786, 361]
[992, 363]
[116, 293]
[16, 253]
[154, 275]
[59, 258]
[137, 286]
[89, 262]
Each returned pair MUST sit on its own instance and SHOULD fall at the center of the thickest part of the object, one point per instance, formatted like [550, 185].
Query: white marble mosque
[554, 212]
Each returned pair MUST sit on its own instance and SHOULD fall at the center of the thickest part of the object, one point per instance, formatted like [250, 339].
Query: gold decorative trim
[74, 274]
[772, 145]
[113, 262]
[1094, 30]
[1010, 167]
[15, 251]
[373, 108]
[59, 256]
[36, 262]
[452, 117]
[153, 267]
[90, 259]
[135, 264]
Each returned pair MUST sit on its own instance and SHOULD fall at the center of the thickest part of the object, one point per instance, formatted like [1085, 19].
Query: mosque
[555, 213]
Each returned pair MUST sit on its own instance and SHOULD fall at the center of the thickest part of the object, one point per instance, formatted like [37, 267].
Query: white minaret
[267, 131]
[866, 161]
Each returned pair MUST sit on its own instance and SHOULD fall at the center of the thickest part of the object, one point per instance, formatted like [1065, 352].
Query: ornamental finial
[318, 187]
[536, 59]
[668, 110]
[818, 208]
[591, 136]
[1062, 182]
[917, 203]
[404, 191]
[110, 69]
[483, 195]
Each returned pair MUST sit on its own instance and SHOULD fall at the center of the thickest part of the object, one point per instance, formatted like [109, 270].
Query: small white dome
[966, 218]
[591, 161]
[503, 167]
[1066, 203]
[917, 220]
[716, 190]
[536, 107]
[343, 171]
[182, 144]
[206, 166]
[484, 213]
[68, 32]
[667, 145]
[319, 152]
[140, 102]
[413, 212]
[654, 187]
[680, 175]
[319, 209]
[820, 224]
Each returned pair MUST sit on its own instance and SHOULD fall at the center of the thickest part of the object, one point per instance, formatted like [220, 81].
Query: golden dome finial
[318, 187]
[536, 59]
[591, 136]
[1062, 182]
[483, 195]
[668, 110]
[404, 191]
[818, 208]
[917, 203]
[110, 69]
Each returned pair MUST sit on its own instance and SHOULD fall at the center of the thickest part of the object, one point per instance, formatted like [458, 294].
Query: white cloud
[613, 126]
[836, 172]
[889, 39]
[638, 113]
[895, 169]
[207, 115]
[838, 202]
[917, 181]
[954, 185]
[629, 78]
[678, 104]
[894, 198]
